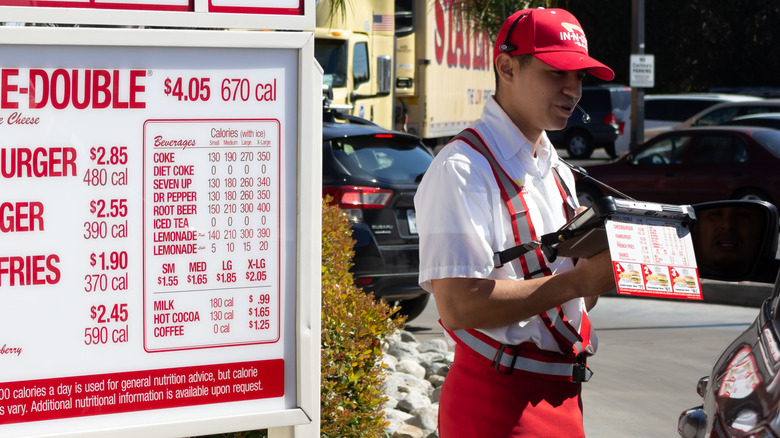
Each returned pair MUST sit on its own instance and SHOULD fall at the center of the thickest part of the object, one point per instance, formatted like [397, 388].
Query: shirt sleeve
[454, 206]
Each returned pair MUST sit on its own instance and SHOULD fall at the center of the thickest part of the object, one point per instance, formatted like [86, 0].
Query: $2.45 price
[102, 315]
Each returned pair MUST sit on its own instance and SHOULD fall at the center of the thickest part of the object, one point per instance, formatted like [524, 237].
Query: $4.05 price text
[230, 90]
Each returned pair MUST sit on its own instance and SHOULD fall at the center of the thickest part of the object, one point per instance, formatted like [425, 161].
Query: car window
[332, 56]
[719, 149]
[677, 110]
[770, 140]
[596, 101]
[758, 110]
[387, 158]
[360, 71]
[669, 150]
[717, 116]
[621, 99]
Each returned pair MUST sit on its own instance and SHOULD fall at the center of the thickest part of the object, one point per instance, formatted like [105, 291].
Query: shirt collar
[510, 141]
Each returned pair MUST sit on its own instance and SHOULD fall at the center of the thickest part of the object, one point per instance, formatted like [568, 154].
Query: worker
[521, 328]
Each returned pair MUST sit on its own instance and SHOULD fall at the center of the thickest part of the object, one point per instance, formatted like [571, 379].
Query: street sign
[642, 71]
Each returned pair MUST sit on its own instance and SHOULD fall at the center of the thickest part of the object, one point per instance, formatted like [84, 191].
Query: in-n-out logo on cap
[575, 34]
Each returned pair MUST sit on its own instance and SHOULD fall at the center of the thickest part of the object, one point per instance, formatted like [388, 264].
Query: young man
[521, 329]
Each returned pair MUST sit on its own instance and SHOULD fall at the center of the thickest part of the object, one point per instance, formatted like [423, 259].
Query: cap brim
[576, 61]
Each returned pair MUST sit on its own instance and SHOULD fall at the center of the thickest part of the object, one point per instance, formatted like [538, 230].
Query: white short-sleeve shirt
[462, 220]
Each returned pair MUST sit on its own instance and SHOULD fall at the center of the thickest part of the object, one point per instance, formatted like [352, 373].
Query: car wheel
[587, 194]
[579, 145]
[752, 195]
[412, 308]
[610, 150]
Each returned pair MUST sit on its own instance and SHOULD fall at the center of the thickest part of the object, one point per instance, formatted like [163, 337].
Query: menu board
[653, 256]
[147, 243]
[282, 7]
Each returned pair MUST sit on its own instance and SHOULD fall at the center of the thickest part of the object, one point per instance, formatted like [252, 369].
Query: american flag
[384, 22]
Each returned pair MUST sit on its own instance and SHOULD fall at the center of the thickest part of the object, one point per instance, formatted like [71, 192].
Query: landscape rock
[416, 372]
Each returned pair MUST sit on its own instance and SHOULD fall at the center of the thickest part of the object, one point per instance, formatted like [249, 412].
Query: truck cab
[355, 51]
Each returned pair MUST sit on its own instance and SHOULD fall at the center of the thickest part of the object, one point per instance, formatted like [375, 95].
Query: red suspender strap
[526, 357]
[568, 201]
[532, 262]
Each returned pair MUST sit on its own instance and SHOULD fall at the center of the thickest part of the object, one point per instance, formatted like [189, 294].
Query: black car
[607, 108]
[741, 397]
[373, 174]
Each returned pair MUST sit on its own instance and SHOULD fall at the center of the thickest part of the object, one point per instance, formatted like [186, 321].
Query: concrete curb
[746, 293]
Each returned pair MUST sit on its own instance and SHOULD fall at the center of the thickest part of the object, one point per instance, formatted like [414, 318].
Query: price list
[144, 217]
[652, 257]
[107, 277]
[211, 233]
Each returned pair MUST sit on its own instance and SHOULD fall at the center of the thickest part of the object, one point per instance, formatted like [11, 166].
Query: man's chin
[559, 125]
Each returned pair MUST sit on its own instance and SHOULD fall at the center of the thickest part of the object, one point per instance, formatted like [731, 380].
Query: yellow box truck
[410, 65]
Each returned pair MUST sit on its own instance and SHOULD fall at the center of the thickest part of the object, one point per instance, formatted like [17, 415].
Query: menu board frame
[299, 250]
[232, 14]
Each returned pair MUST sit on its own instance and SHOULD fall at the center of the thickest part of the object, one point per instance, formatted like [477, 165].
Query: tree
[698, 44]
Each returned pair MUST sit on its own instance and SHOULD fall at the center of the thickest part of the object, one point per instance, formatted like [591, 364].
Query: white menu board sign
[190, 14]
[147, 232]
[653, 256]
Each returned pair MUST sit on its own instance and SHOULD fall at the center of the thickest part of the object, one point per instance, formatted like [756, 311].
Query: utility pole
[637, 93]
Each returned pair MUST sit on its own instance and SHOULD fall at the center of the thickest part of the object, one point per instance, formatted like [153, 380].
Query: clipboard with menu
[649, 243]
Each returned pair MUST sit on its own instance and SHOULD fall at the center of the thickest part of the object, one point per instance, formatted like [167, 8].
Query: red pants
[477, 401]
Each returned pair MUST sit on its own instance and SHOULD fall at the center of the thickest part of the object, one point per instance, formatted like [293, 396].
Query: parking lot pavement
[746, 294]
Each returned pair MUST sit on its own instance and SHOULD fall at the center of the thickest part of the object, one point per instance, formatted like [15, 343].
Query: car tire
[587, 194]
[610, 149]
[752, 195]
[413, 307]
[579, 144]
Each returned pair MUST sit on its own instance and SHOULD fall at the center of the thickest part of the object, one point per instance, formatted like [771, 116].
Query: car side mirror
[736, 240]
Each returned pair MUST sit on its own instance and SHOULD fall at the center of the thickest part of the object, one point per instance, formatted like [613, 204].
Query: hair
[523, 61]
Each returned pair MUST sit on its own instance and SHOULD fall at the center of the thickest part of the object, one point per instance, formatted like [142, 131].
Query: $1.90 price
[109, 261]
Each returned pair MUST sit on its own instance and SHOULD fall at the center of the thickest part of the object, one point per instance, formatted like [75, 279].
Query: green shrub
[354, 327]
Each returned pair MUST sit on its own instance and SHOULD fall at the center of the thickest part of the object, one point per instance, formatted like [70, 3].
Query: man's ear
[505, 67]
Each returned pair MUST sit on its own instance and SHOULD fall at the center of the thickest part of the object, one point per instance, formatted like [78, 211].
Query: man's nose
[573, 87]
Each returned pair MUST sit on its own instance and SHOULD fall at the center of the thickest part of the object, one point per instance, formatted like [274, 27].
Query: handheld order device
[585, 235]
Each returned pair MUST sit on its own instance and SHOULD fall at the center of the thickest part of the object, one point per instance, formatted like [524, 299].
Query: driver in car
[726, 240]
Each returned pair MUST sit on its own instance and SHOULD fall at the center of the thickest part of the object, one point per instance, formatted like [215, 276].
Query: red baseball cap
[553, 36]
